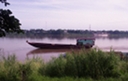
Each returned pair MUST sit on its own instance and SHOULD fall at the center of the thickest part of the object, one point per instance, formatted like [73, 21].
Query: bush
[30, 70]
[56, 67]
[9, 68]
[94, 63]
[90, 64]
[12, 70]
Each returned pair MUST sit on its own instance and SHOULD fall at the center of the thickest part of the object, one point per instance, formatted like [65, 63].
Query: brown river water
[22, 50]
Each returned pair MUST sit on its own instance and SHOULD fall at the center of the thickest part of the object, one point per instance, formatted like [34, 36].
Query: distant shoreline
[40, 33]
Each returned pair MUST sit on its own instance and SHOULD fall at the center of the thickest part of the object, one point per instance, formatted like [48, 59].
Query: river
[22, 50]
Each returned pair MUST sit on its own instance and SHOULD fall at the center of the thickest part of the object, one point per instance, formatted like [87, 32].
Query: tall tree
[8, 22]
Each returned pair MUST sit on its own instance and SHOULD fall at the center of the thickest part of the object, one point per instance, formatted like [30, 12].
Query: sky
[71, 14]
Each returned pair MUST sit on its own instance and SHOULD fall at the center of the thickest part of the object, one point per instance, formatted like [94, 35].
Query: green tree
[8, 22]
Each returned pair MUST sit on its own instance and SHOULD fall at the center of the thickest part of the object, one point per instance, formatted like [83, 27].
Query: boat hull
[56, 46]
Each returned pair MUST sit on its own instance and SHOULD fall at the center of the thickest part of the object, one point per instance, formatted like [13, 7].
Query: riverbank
[74, 66]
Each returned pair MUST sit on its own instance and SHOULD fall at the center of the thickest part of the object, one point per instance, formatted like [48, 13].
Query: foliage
[94, 64]
[8, 22]
[9, 68]
[13, 70]
[30, 70]
[5, 2]
[56, 67]
[83, 65]
[59, 34]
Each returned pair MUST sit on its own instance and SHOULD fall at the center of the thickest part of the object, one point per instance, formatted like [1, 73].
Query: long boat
[81, 43]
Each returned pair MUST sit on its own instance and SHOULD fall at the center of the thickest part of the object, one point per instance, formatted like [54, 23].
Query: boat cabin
[89, 42]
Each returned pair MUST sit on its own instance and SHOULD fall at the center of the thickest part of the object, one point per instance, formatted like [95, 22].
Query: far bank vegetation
[40, 33]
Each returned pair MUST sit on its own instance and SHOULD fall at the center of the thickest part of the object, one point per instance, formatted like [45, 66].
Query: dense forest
[40, 33]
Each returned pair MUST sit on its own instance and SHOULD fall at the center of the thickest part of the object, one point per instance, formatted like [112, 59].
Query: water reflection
[47, 54]
[42, 51]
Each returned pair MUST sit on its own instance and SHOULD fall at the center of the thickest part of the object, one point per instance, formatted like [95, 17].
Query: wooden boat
[81, 43]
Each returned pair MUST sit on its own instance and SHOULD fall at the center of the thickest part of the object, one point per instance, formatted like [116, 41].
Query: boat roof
[87, 38]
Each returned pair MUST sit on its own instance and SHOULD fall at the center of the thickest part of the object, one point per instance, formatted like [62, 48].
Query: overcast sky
[71, 14]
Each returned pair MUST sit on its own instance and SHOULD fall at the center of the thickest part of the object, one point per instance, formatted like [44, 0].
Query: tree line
[39, 33]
